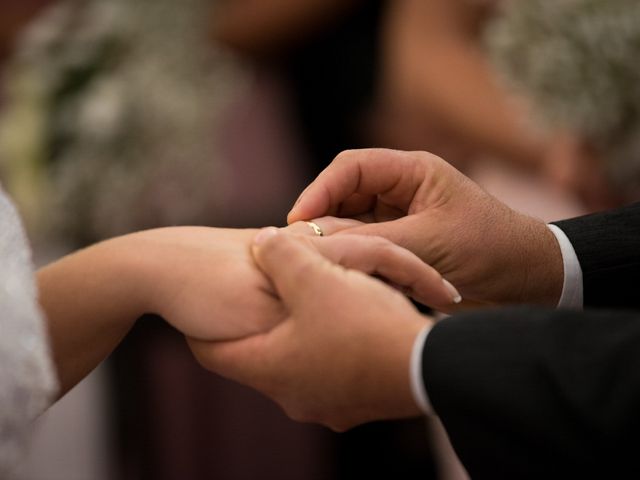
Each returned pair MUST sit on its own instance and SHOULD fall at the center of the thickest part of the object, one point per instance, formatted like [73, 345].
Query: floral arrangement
[578, 61]
[110, 118]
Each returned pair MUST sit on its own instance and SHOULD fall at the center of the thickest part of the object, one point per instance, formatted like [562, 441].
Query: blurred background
[117, 116]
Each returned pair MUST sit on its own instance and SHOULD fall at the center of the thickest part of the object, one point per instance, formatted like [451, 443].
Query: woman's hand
[203, 281]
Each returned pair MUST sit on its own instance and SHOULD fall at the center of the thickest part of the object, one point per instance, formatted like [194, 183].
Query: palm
[229, 298]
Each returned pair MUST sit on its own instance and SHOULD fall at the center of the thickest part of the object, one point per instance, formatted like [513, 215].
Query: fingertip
[273, 245]
[261, 237]
[300, 212]
[293, 216]
[456, 298]
[264, 235]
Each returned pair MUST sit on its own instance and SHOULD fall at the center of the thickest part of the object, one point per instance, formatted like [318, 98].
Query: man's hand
[492, 254]
[341, 355]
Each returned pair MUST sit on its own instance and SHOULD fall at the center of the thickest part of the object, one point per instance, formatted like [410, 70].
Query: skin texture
[341, 355]
[492, 254]
[203, 281]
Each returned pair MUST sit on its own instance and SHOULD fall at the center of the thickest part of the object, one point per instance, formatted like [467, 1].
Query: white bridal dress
[27, 379]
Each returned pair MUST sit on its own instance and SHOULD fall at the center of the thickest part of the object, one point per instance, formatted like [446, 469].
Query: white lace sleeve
[27, 378]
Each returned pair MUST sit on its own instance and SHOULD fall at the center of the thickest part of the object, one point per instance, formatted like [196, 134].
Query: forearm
[472, 104]
[90, 301]
[436, 55]
[263, 27]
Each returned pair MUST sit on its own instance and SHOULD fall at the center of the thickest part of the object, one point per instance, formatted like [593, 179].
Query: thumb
[245, 360]
[294, 266]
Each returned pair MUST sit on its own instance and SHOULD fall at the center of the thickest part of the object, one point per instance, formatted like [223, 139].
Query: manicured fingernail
[264, 234]
[455, 295]
[291, 214]
[302, 195]
[293, 209]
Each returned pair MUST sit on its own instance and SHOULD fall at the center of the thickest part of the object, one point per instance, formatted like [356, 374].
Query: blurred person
[523, 392]
[414, 75]
[305, 44]
[448, 96]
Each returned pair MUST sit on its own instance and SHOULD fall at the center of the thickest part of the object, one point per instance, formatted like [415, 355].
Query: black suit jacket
[534, 393]
[608, 248]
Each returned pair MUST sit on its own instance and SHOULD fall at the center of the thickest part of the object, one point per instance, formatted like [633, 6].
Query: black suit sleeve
[608, 248]
[527, 393]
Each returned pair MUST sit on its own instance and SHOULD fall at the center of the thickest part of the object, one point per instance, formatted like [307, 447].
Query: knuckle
[382, 248]
[298, 413]
[425, 157]
[344, 156]
[338, 426]
[425, 162]
[277, 245]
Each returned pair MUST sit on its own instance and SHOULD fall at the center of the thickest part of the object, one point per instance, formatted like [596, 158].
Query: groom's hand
[341, 355]
[492, 254]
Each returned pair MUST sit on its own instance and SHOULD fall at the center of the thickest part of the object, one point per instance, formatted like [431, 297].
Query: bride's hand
[202, 280]
[205, 283]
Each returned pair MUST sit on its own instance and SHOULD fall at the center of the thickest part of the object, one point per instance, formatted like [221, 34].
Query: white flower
[578, 61]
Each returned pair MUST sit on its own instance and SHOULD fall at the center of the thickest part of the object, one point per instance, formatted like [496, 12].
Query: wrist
[90, 304]
[134, 265]
[118, 267]
[542, 267]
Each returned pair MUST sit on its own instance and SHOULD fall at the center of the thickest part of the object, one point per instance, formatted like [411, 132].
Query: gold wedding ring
[316, 228]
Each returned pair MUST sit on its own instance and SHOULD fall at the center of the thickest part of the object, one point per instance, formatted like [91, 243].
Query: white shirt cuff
[571, 297]
[572, 289]
[415, 372]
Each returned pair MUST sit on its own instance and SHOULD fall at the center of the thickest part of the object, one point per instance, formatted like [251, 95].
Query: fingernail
[265, 234]
[291, 214]
[455, 295]
[293, 209]
[298, 200]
